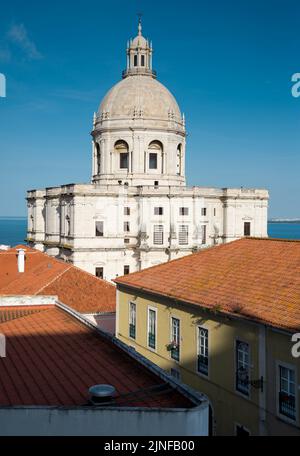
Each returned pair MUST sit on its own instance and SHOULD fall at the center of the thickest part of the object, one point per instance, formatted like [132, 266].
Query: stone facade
[137, 211]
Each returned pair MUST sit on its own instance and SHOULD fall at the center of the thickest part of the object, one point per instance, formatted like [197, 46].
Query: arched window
[155, 150]
[135, 60]
[179, 160]
[98, 159]
[121, 147]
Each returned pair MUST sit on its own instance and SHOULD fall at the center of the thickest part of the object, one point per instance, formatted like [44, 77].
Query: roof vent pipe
[21, 260]
[100, 394]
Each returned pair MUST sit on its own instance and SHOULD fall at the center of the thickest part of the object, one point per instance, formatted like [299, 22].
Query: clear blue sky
[229, 64]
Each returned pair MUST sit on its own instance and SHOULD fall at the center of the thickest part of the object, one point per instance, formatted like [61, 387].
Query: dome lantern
[139, 56]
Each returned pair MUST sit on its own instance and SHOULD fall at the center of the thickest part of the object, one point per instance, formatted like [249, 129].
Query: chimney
[21, 260]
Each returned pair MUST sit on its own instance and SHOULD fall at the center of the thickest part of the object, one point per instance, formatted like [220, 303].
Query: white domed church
[137, 211]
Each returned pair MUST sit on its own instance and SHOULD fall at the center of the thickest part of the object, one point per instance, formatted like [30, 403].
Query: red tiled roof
[46, 275]
[253, 278]
[53, 359]
[8, 313]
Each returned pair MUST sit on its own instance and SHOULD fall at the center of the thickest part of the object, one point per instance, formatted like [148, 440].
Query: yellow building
[221, 321]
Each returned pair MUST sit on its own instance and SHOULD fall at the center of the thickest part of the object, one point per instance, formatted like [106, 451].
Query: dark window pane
[126, 269]
[135, 60]
[247, 228]
[99, 229]
[143, 60]
[152, 161]
[124, 160]
[99, 273]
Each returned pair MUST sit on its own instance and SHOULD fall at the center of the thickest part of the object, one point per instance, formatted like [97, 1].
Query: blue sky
[229, 64]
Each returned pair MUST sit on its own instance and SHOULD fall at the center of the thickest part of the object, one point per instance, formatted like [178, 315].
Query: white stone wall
[70, 214]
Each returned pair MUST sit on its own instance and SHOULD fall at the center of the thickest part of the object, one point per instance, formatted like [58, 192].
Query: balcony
[287, 405]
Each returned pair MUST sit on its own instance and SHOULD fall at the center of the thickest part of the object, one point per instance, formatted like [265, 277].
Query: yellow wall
[229, 407]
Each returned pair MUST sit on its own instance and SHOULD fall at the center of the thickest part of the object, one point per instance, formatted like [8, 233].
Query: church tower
[138, 131]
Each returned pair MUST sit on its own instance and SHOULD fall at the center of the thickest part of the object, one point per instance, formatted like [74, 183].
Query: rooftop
[258, 279]
[53, 358]
[45, 275]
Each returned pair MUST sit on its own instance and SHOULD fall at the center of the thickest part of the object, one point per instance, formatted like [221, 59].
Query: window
[126, 241]
[203, 234]
[175, 338]
[247, 228]
[142, 60]
[135, 60]
[156, 183]
[183, 211]
[183, 234]
[152, 328]
[202, 365]
[215, 212]
[287, 392]
[98, 158]
[132, 320]
[179, 160]
[126, 269]
[124, 160]
[203, 211]
[126, 227]
[99, 229]
[158, 235]
[99, 273]
[126, 210]
[152, 161]
[68, 225]
[242, 367]
[121, 148]
[158, 211]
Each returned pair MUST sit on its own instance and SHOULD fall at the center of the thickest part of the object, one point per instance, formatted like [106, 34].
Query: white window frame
[154, 309]
[295, 422]
[198, 328]
[183, 234]
[184, 211]
[203, 234]
[158, 233]
[174, 317]
[131, 303]
[241, 393]
[157, 209]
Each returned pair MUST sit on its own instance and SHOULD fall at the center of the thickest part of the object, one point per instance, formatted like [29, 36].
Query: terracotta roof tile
[46, 275]
[53, 359]
[254, 278]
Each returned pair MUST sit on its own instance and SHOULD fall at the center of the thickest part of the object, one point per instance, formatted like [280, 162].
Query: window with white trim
[158, 211]
[99, 227]
[287, 392]
[202, 364]
[183, 235]
[126, 227]
[126, 210]
[183, 211]
[203, 211]
[152, 328]
[203, 234]
[175, 338]
[242, 367]
[158, 235]
[132, 320]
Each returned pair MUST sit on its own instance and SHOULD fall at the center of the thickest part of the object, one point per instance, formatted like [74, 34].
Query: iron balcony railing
[287, 405]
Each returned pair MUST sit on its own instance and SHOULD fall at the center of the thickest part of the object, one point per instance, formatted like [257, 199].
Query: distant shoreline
[12, 217]
[285, 221]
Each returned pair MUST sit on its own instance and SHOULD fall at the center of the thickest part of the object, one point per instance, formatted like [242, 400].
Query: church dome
[139, 95]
